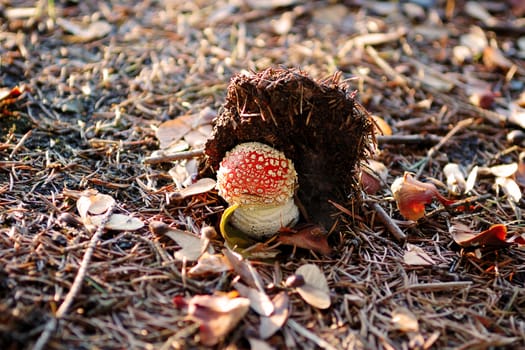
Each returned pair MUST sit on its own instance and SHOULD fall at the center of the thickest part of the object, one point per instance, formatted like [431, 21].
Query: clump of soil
[317, 124]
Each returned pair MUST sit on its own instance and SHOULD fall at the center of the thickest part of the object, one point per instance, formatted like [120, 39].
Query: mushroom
[262, 182]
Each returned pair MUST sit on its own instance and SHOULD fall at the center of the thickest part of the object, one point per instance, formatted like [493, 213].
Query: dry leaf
[217, 315]
[373, 176]
[471, 179]
[455, 179]
[172, 131]
[493, 58]
[415, 255]
[200, 186]
[510, 188]
[412, 195]
[503, 170]
[243, 268]
[210, 264]
[315, 289]
[404, 320]
[91, 202]
[307, 236]
[118, 222]
[271, 324]
[192, 246]
[476, 10]
[258, 344]
[259, 301]
[82, 33]
[494, 236]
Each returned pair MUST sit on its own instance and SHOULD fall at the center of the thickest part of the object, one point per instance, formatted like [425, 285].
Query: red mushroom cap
[253, 173]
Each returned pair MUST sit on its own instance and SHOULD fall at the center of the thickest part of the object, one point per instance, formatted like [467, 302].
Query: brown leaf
[494, 236]
[172, 131]
[271, 324]
[217, 315]
[315, 289]
[373, 176]
[307, 236]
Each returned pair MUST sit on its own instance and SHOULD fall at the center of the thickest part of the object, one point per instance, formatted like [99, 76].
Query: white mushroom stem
[264, 221]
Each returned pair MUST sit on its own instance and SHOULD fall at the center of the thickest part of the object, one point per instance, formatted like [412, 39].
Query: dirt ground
[84, 85]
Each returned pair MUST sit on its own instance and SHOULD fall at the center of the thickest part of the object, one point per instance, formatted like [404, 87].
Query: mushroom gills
[261, 222]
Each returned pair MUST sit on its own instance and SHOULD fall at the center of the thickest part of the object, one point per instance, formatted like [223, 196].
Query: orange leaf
[494, 236]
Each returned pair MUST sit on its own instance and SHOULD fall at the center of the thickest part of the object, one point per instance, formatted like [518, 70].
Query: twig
[307, 334]
[390, 225]
[75, 287]
[164, 158]
[386, 67]
[462, 124]
[21, 143]
[403, 139]
[439, 286]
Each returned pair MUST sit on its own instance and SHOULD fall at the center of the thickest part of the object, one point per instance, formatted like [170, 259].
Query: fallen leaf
[172, 131]
[412, 195]
[509, 187]
[494, 236]
[258, 344]
[210, 264]
[192, 246]
[415, 255]
[471, 179]
[315, 289]
[493, 58]
[217, 315]
[243, 268]
[82, 33]
[404, 320]
[271, 324]
[118, 222]
[200, 186]
[259, 301]
[455, 179]
[94, 203]
[502, 170]
[307, 236]
[373, 176]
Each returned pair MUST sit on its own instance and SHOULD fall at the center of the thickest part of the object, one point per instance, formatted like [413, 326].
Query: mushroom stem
[265, 221]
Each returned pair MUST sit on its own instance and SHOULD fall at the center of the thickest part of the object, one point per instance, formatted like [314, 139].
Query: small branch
[462, 124]
[164, 158]
[20, 143]
[439, 286]
[408, 139]
[75, 287]
[390, 225]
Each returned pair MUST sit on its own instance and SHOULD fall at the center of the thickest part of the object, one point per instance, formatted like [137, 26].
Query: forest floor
[84, 88]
